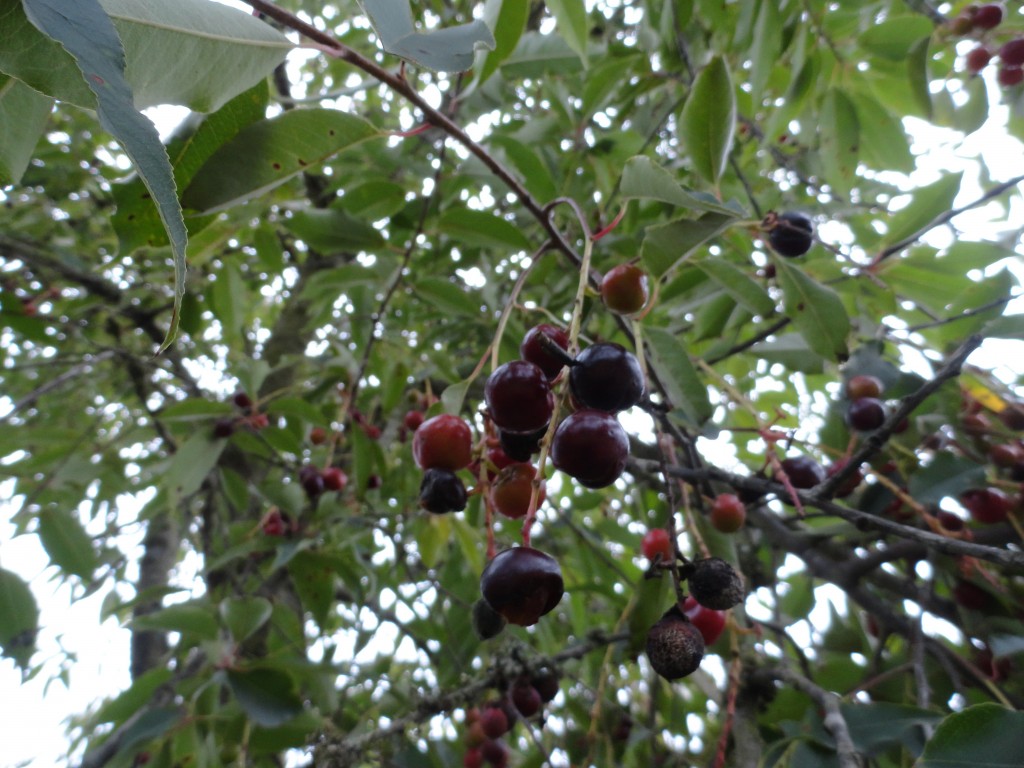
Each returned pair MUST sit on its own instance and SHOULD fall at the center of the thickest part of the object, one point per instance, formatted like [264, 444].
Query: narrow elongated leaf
[508, 20]
[665, 246]
[19, 617]
[816, 310]
[23, 114]
[87, 33]
[767, 44]
[571, 18]
[641, 178]
[66, 542]
[481, 228]
[983, 736]
[675, 371]
[195, 53]
[448, 49]
[267, 153]
[839, 139]
[709, 120]
[186, 618]
[746, 291]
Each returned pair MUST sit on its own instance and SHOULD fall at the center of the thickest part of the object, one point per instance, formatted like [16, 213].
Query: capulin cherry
[519, 397]
[608, 377]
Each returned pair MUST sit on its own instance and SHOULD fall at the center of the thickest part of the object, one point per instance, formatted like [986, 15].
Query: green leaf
[331, 230]
[244, 615]
[927, 203]
[483, 229]
[448, 296]
[816, 311]
[187, 618]
[767, 45]
[191, 52]
[538, 54]
[88, 34]
[677, 374]
[880, 726]
[266, 695]
[149, 726]
[507, 18]
[982, 736]
[191, 464]
[432, 535]
[23, 114]
[917, 71]
[665, 246]
[19, 617]
[571, 23]
[839, 139]
[883, 141]
[447, 49]
[747, 292]
[709, 120]
[267, 153]
[66, 542]
[641, 178]
[1005, 327]
[896, 37]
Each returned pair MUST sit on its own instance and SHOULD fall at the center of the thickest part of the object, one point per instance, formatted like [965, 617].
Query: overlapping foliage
[366, 234]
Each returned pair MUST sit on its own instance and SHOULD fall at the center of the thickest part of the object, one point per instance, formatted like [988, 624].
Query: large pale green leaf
[267, 153]
[330, 230]
[447, 49]
[19, 616]
[23, 115]
[927, 203]
[66, 542]
[816, 311]
[196, 53]
[482, 228]
[767, 44]
[666, 245]
[678, 374]
[709, 120]
[895, 37]
[571, 16]
[87, 33]
[266, 695]
[983, 736]
[747, 292]
[642, 178]
[839, 139]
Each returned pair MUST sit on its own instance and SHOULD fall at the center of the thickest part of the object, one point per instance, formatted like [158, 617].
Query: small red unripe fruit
[334, 479]
[976, 424]
[318, 435]
[512, 489]
[534, 350]
[728, 513]
[977, 59]
[273, 523]
[624, 289]
[988, 16]
[494, 722]
[710, 622]
[443, 442]
[986, 505]
[475, 735]
[656, 542]
[1012, 53]
[863, 386]
[413, 420]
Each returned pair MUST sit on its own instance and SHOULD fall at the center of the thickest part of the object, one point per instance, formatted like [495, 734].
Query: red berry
[512, 489]
[273, 523]
[318, 435]
[224, 428]
[969, 595]
[473, 758]
[590, 446]
[494, 722]
[988, 16]
[977, 59]
[624, 289]
[803, 471]
[1012, 53]
[986, 505]
[495, 752]
[863, 386]
[413, 420]
[526, 698]
[534, 350]
[443, 442]
[710, 622]
[951, 522]
[519, 397]
[242, 400]
[334, 479]
[657, 543]
[728, 513]
[1006, 455]
[1010, 76]
[522, 584]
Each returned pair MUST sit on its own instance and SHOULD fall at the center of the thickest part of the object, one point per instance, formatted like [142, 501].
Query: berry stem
[581, 292]
[506, 312]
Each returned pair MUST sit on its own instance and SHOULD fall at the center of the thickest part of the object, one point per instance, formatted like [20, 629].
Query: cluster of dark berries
[250, 417]
[978, 20]
[676, 642]
[316, 481]
[866, 412]
[486, 726]
[790, 234]
[442, 446]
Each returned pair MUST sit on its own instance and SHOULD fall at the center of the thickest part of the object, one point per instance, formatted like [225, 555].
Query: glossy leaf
[708, 120]
[734, 281]
[985, 735]
[840, 138]
[572, 24]
[816, 311]
[446, 49]
[927, 203]
[244, 615]
[268, 153]
[678, 374]
[642, 178]
[507, 19]
[188, 618]
[895, 37]
[665, 246]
